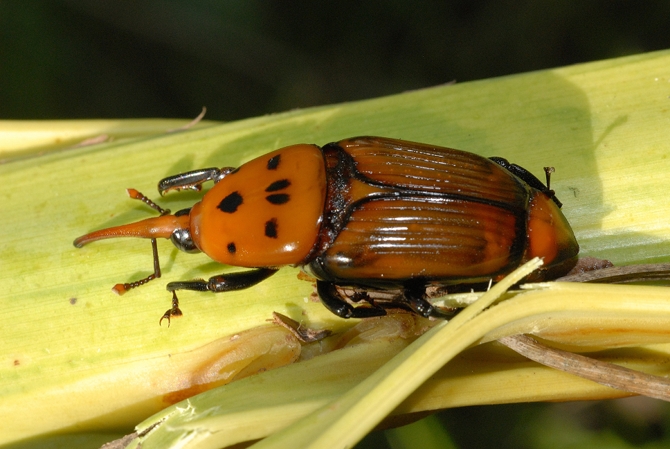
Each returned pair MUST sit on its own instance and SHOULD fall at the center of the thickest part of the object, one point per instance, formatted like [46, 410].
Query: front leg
[221, 283]
[193, 180]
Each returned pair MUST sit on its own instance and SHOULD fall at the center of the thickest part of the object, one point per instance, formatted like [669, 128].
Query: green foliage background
[148, 58]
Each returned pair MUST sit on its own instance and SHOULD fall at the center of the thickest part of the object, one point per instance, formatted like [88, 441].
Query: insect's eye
[181, 238]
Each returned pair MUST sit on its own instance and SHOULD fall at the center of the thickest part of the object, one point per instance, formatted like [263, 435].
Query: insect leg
[225, 282]
[415, 297]
[192, 180]
[173, 311]
[420, 306]
[334, 302]
[221, 283]
[528, 177]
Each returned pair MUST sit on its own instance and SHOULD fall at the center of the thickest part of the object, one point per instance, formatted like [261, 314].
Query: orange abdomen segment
[549, 233]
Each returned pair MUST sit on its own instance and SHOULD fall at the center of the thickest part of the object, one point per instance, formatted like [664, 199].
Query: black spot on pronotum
[271, 228]
[277, 198]
[230, 203]
[273, 163]
[278, 185]
[231, 248]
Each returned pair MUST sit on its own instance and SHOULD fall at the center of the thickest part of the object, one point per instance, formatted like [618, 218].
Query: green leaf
[79, 359]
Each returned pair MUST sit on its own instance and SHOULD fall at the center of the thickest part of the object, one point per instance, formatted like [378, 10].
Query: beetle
[369, 213]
